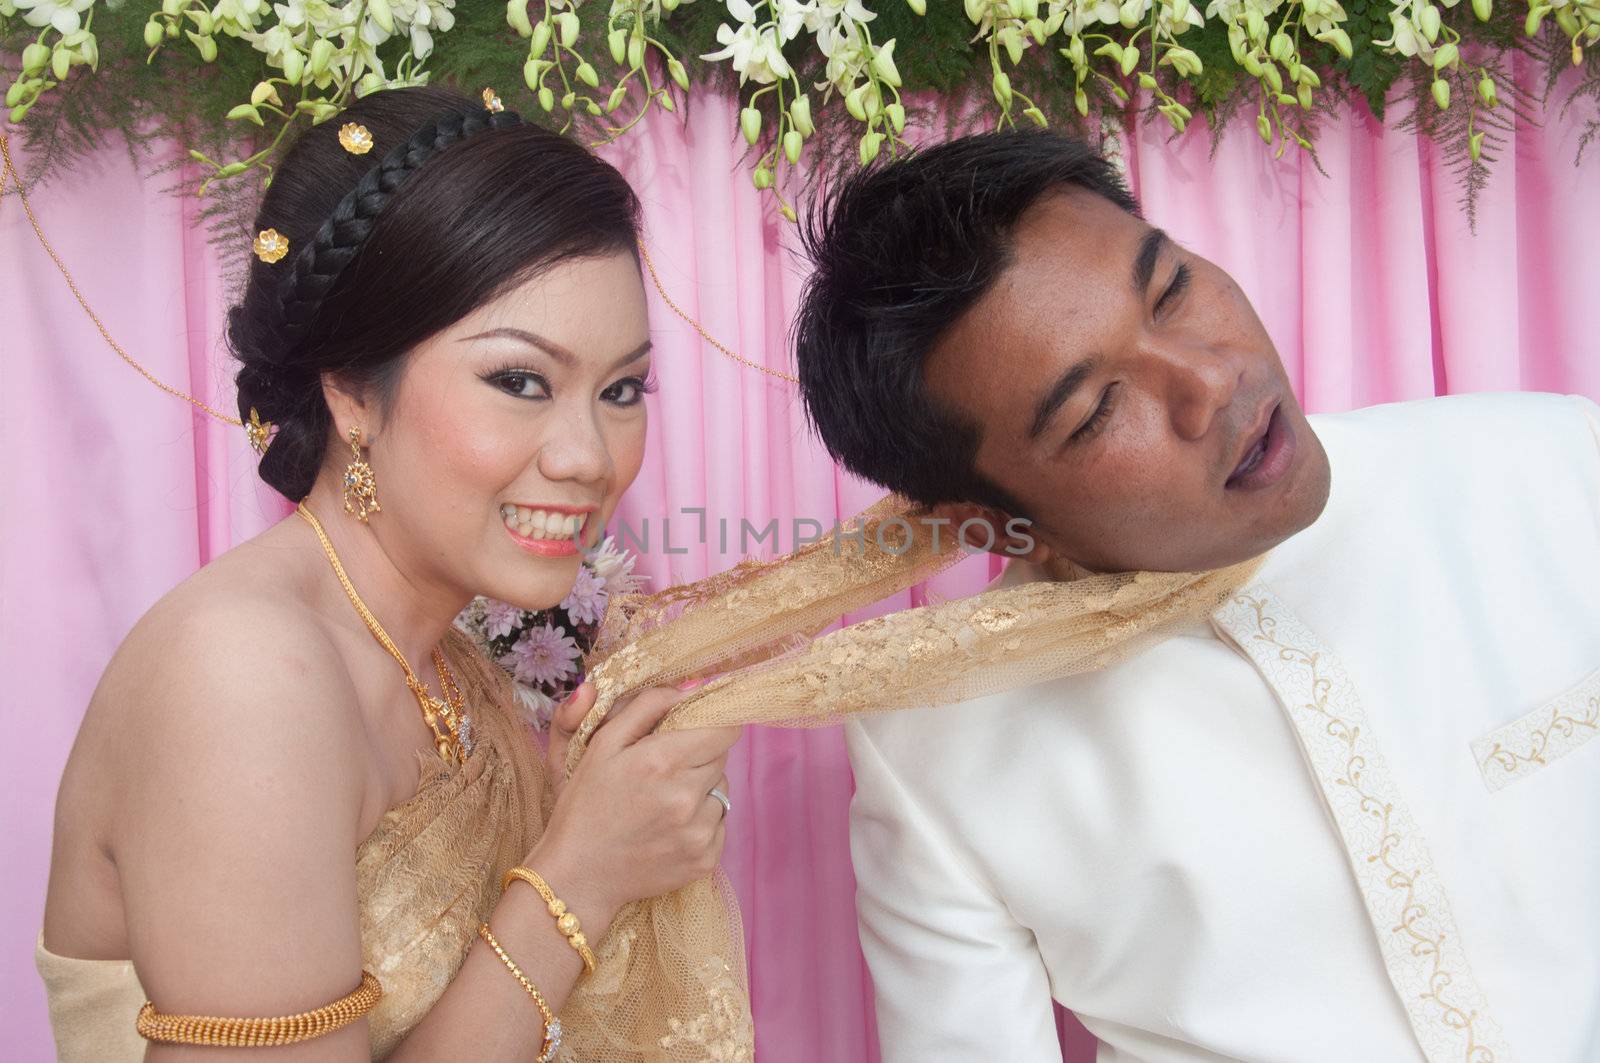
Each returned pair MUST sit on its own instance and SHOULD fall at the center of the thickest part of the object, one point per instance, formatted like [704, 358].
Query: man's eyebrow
[1069, 382]
[1144, 263]
[553, 349]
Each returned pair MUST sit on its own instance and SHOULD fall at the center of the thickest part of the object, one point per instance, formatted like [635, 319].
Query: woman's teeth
[541, 523]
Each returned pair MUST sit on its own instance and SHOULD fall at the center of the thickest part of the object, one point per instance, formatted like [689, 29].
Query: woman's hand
[637, 818]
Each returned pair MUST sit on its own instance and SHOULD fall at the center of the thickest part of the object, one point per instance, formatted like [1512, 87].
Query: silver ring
[722, 799]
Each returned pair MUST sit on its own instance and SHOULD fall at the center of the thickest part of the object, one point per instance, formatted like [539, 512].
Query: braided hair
[462, 205]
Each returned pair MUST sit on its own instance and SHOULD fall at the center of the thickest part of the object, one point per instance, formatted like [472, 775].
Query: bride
[301, 810]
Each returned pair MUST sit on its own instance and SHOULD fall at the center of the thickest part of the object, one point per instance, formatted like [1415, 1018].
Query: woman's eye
[627, 392]
[524, 385]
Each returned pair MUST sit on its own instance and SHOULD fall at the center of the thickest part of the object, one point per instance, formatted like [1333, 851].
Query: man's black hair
[900, 251]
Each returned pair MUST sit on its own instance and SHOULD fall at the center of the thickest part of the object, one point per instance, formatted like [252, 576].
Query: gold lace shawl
[426, 876]
[430, 872]
[671, 986]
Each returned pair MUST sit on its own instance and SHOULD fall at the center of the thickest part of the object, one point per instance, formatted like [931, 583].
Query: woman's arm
[243, 774]
[235, 848]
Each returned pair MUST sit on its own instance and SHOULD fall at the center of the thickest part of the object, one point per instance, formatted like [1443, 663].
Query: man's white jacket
[1355, 818]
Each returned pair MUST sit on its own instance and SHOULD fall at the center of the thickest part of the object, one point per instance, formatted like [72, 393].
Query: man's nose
[1202, 381]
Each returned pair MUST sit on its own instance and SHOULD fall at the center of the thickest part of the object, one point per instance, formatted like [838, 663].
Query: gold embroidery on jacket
[1417, 936]
[1548, 733]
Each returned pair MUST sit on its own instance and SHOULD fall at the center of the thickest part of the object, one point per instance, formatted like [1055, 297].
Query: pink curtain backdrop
[111, 492]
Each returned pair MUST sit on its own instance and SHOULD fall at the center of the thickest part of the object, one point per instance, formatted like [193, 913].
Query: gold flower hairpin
[491, 102]
[355, 138]
[271, 245]
[259, 432]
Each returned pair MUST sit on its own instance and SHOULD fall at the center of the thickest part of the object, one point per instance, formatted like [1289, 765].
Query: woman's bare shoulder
[230, 673]
[229, 770]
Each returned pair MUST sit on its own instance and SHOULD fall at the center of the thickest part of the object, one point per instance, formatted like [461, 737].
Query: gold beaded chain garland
[446, 717]
[260, 1033]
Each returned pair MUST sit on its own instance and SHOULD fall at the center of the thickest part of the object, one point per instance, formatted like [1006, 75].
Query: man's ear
[986, 528]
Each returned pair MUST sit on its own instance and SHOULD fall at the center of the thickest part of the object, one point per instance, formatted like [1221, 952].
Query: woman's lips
[544, 547]
[546, 531]
[1265, 463]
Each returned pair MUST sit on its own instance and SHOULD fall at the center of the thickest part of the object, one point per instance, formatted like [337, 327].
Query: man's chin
[1307, 495]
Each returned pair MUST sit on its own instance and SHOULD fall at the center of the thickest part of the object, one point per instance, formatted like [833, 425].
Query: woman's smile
[549, 531]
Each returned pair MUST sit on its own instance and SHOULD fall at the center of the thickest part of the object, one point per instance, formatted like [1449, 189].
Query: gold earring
[360, 487]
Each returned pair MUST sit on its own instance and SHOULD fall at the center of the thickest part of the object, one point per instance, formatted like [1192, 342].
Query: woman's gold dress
[427, 875]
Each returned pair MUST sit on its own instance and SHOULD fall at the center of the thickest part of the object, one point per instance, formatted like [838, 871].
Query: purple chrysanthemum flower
[499, 618]
[586, 603]
[544, 654]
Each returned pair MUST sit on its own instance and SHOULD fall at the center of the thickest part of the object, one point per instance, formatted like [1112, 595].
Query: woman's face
[512, 434]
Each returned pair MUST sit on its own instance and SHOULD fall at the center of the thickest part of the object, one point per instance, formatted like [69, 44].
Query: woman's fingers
[638, 716]
[719, 838]
[566, 720]
[711, 822]
[702, 778]
[570, 713]
[723, 789]
[701, 745]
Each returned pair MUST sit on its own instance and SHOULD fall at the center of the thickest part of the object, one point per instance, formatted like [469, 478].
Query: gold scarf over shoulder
[430, 872]
[426, 876]
[670, 986]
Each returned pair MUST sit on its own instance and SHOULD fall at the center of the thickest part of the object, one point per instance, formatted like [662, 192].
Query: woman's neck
[415, 612]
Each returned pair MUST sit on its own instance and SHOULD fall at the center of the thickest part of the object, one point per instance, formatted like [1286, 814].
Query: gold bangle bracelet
[552, 1025]
[259, 1033]
[566, 921]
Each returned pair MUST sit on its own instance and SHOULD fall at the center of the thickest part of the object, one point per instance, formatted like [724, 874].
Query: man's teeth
[541, 523]
[1252, 459]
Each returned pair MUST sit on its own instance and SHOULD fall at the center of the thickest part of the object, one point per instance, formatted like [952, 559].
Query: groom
[1353, 818]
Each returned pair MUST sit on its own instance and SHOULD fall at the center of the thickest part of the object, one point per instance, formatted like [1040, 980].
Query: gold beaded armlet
[566, 921]
[259, 1033]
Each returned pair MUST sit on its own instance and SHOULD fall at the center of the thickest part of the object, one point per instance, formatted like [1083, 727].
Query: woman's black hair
[453, 205]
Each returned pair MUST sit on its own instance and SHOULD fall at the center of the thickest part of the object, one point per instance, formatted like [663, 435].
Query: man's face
[1128, 397]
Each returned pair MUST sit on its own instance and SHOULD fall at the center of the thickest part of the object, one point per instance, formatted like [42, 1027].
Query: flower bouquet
[543, 650]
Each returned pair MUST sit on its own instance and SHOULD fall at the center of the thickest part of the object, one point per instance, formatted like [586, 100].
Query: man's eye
[1097, 419]
[1180, 283]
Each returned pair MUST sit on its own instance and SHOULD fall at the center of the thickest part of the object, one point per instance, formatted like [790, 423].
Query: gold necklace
[452, 730]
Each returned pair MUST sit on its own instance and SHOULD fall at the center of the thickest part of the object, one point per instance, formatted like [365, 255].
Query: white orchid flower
[792, 17]
[1407, 38]
[1325, 19]
[63, 15]
[846, 63]
[237, 17]
[833, 11]
[274, 43]
[1075, 16]
[373, 34]
[1234, 11]
[1165, 23]
[291, 16]
[757, 55]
